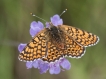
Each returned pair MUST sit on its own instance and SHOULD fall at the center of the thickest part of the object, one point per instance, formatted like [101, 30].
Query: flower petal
[29, 65]
[60, 22]
[56, 20]
[40, 25]
[35, 28]
[43, 66]
[21, 47]
[65, 64]
[54, 68]
[47, 24]
[35, 64]
[33, 24]
[34, 31]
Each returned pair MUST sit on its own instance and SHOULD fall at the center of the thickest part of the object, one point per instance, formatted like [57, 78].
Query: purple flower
[56, 20]
[35, 28]
[53, 67]
[21, 47]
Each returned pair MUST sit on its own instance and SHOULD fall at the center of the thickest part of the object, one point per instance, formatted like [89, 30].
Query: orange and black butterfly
[56, 42]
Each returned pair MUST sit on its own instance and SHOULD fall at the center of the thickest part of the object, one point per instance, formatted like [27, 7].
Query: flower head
[53, 67]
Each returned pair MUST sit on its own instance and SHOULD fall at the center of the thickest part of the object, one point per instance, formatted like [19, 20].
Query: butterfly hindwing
[53, 53]
[73, 49]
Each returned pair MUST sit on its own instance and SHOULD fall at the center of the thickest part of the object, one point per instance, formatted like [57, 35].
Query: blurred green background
[15, 19]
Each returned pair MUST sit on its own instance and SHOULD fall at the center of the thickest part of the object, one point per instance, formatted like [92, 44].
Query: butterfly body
[56, 36]
[58, 41]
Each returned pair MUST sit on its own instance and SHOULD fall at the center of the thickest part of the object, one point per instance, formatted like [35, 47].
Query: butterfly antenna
[37, 17]
[63, 12]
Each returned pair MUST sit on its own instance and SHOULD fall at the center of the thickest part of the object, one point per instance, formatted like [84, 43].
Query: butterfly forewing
[82, 37]
[36, 48]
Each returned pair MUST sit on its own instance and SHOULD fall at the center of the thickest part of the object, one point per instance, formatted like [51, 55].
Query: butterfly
[56, 42]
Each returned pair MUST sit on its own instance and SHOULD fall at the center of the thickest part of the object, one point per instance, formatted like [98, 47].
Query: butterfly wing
[36, 48]
[75, 42]
[82, 37]
[73, 49]
[53, 52]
